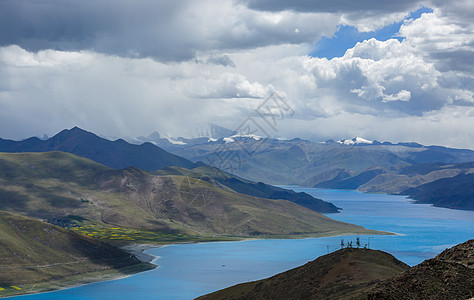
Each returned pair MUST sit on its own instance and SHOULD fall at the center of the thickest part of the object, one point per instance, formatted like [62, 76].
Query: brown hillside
[55, 185]
[450, 275]
[37, 256]
[344, 274]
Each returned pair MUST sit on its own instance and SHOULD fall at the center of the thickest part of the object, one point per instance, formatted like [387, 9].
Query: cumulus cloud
[448, 126]
[49, 90]
[178, 65]
[447, 41]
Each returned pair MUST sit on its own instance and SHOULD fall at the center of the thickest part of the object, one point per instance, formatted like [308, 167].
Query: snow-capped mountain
[232, 138]
[209, 133]
[355, 141]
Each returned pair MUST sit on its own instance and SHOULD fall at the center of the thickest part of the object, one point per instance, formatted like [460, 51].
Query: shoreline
[78, 281]
[139, 251]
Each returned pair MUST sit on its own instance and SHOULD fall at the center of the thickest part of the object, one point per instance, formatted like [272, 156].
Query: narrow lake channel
[189, 270]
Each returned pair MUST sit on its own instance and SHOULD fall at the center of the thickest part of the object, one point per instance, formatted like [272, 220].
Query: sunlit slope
[33, 252]
[56, 185]
[234, 183]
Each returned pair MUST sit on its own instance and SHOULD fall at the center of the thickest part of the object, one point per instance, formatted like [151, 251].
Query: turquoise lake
[189, 270]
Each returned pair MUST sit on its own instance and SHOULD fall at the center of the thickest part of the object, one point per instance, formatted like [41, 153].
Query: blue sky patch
[347, 37]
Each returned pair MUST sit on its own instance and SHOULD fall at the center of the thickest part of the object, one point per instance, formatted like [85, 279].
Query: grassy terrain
[121, 235]
[127, 234]
[102, 207]
[230, 182]
[36, 256]
[55, 185]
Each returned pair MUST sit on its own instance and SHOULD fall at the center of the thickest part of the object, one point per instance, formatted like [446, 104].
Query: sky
[386, 70]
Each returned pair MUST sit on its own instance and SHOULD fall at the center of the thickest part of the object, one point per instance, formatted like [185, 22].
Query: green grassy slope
[35, 256]
[55, 185]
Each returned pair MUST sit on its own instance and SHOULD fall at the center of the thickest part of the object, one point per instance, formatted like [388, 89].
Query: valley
[111, 194]
[58, 185]
[358, 164]
[236, 149]
[189, 270]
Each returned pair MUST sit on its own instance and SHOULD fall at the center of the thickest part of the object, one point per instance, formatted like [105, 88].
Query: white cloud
[50, 90]
[381, 90]
[402, 95]
[370, 21]
[449, 126]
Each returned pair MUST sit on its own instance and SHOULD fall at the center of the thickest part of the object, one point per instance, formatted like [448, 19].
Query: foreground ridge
[352, 273]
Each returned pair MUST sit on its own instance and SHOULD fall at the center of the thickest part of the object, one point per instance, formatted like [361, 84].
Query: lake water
[190, 270]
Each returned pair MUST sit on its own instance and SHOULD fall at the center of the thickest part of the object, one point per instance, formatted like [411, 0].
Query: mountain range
[355, 164]
[147, 156]
[96, 206]
[58, 185]
[118, 192]
[115, 154]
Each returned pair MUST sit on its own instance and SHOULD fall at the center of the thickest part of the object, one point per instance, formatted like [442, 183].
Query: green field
[128, 234]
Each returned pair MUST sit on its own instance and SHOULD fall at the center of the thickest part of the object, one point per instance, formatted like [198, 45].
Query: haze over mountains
[120, 154]
[355, 164]
[115, 154]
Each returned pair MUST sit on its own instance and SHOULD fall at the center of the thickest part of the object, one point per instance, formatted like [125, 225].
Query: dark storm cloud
[332, 6]
[223, 60]
[164, 30]
[128, 28]
[459, 60]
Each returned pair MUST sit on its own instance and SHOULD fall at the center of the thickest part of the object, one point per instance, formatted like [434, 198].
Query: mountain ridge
[345, 274]
[369, 166]
[359, 273]
[115, 154]
[120, 154]
[55, 185]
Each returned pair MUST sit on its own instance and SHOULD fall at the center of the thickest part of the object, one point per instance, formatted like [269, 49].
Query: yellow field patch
[126, 234]
[2, 289]
[15, 287]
